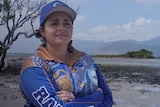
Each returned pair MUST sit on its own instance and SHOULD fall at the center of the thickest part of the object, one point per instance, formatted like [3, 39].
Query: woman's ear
[41, 30]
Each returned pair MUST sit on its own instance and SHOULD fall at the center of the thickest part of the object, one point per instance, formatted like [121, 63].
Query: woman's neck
[59, 52]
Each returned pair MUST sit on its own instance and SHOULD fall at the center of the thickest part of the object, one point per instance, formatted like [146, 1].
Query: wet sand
[10, 95]
[135, 95]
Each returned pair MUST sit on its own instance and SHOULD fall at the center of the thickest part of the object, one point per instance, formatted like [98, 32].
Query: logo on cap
[57, 4]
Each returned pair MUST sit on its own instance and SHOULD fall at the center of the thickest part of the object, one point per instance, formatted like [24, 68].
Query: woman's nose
[61, 27]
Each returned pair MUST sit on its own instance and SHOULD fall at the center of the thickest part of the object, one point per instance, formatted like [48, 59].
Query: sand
[10, 95]
[135, 95]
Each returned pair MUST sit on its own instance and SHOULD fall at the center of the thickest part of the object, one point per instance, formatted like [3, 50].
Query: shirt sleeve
[93, 100]
[107, 100]
[98, 98]
[40, 91]
[38, 88]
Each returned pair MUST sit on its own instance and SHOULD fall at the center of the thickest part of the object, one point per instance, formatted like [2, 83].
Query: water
[14, 56]
[115, 61]
[129, 61]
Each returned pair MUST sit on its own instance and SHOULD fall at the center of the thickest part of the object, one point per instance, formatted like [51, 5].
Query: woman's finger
[65, 96]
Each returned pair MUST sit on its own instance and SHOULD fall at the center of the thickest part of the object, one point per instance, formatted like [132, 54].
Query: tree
[14, 14]
[143, 53]
[146, 53]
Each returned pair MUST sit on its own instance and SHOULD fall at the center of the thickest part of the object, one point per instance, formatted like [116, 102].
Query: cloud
[80, 18]
[147, 1]
[148, 4]
[141, 29]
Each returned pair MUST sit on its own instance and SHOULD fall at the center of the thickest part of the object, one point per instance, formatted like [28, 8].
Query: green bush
[143, 53]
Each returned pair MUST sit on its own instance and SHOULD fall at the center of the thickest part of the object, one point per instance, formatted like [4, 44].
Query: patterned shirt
[42, 75]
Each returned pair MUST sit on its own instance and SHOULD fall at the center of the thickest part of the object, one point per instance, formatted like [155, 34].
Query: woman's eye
[54, 23]
[67, 24]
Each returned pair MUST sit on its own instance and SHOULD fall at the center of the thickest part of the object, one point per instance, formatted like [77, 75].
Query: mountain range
[118, 47]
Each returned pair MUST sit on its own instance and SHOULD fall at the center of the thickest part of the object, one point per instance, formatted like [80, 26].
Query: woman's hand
[65, 96]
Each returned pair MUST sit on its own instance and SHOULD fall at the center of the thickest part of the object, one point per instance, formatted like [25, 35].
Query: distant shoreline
[128, 61]
[153, 62]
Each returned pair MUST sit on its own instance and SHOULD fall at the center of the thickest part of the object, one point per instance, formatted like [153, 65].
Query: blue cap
[56, 6]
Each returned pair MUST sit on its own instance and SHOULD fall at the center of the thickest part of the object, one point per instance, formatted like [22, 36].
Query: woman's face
[57, 29]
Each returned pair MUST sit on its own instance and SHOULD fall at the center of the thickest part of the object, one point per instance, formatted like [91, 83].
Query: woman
[58, 75]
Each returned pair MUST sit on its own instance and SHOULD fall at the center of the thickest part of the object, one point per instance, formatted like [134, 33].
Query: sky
[107, 20]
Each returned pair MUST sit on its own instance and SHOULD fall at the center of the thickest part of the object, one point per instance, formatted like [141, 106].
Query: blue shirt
[43, 75]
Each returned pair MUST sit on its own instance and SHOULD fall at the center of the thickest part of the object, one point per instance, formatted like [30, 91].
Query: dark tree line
[143, 53]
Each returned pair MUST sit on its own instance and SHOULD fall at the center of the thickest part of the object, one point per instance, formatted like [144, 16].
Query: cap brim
[64, 9]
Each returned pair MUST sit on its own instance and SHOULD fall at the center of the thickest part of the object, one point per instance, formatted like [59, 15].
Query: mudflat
[131, 85]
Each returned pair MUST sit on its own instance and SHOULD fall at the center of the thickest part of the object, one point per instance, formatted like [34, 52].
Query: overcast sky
[108, 20]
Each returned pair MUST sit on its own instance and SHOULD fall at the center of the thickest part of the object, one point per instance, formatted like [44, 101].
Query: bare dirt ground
[131, 85]
[10, 95]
